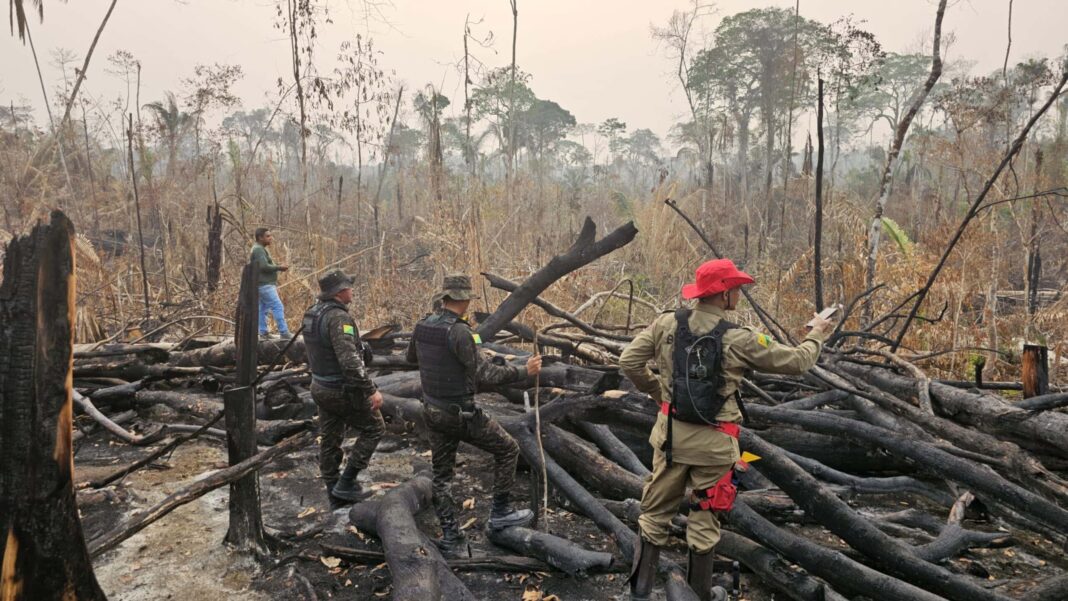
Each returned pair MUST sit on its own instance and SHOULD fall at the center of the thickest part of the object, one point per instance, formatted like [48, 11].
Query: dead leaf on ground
[469, 503]
[532, 594]
[306, 512]
[468, 523]
[356, 532]
[330, 562]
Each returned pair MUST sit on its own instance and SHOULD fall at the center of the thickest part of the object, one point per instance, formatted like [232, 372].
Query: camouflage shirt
[743, 349]
[343, 334]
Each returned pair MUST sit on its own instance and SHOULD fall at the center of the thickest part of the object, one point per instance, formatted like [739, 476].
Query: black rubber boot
[701, 576]
[643, 570]
[348, 489]
[452, 543]
[503, 516]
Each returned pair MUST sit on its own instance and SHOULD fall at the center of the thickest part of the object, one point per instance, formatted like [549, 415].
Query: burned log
[419, 571]
[553, 550]
[44, 554]
[860, 534]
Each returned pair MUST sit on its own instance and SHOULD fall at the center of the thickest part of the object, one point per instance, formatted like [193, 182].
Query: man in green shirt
[267, 282]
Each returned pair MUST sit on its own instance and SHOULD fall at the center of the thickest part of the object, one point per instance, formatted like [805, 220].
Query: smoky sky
[595, 58]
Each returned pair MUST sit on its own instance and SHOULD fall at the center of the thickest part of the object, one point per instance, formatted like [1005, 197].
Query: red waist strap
[729, 428]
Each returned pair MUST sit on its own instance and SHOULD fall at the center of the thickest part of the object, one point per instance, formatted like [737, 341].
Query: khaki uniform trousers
[665, 488]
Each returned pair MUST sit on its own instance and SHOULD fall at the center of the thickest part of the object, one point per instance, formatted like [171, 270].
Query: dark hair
[261, 231]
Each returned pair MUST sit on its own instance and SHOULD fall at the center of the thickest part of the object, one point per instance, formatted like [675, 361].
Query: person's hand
[283, 268]
[376, 401]
[821, 327]
[534, 365]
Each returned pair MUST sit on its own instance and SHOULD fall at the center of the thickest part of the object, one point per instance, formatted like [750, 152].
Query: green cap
[457, 287]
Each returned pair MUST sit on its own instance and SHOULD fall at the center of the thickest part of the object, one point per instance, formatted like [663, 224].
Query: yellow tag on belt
[477, 338]
[764, 340]
[347, 329]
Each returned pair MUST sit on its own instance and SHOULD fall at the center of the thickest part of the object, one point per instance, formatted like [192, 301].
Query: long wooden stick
[142, 519]
[541, 447]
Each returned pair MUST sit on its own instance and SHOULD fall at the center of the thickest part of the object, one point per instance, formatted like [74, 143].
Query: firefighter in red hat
[701, 358]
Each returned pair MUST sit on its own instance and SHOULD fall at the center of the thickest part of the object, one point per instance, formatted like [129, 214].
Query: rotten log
[44, 554]
[140, 520]
[553, 550]
[585, 250]
[419, 571]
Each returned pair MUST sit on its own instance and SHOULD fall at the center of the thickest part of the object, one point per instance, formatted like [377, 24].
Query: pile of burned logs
[875, 481]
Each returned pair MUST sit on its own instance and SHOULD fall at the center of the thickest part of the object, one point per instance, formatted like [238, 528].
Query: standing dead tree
[246, 521]
[895, 150]
[43, 555]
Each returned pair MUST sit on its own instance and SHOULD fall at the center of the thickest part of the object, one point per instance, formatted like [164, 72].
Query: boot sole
[354, 497]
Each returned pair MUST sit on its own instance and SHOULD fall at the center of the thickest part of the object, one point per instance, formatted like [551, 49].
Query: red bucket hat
[715, 276]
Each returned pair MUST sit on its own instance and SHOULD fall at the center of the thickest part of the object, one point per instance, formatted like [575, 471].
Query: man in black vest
[345, 394]
[450, 367]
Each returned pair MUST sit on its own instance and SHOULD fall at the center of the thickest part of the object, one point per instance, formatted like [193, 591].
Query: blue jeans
[269, 301]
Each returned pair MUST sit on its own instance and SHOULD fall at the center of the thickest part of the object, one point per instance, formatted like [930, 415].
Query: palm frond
[17, 15]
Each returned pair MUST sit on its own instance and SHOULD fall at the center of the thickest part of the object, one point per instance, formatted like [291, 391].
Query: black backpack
[697, 375]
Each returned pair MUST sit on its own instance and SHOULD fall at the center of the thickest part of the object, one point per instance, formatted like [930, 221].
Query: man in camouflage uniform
[345, 394]
[701, 454]
[450, 367]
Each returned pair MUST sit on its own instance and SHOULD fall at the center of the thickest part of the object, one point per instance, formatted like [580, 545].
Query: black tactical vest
[442, 374]
[321, 358]
[697, 371]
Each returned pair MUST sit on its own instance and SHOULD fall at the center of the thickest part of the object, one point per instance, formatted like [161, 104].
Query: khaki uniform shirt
[743, 349]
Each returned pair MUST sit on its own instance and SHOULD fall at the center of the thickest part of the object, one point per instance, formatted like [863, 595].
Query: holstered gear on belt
[697, 377]
[721, 495]
[322, 360]
[643, 570]
[441, 373]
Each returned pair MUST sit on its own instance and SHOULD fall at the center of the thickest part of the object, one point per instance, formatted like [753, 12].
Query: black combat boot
[452, 542]
[335, 502]
[643, 570]
[348, 489]
[503, 516]
[701, 576]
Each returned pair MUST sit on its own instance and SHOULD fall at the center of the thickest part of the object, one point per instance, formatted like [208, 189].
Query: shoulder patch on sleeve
[763, 340]
[476, 338]
[347, 329]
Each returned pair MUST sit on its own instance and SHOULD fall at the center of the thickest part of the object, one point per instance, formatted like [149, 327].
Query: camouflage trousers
[338, 409]
[446, 431]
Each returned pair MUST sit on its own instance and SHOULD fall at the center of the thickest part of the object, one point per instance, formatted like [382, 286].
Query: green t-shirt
[266, 270]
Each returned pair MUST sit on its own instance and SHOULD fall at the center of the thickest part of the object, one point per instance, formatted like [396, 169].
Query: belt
[449, 406]
[332, 385]
[729, 428]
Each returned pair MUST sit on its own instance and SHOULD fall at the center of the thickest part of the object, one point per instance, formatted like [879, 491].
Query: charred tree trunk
[43, 555]
[1035, 370]
[215, 247]
[585, 250]
[246, 521]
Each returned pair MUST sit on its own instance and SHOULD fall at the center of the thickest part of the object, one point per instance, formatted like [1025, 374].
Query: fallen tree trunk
[860, 534]
[986, 413]
[980, 478]
[553, 550]
[419, 571]
[612, 447]
[496, 563]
